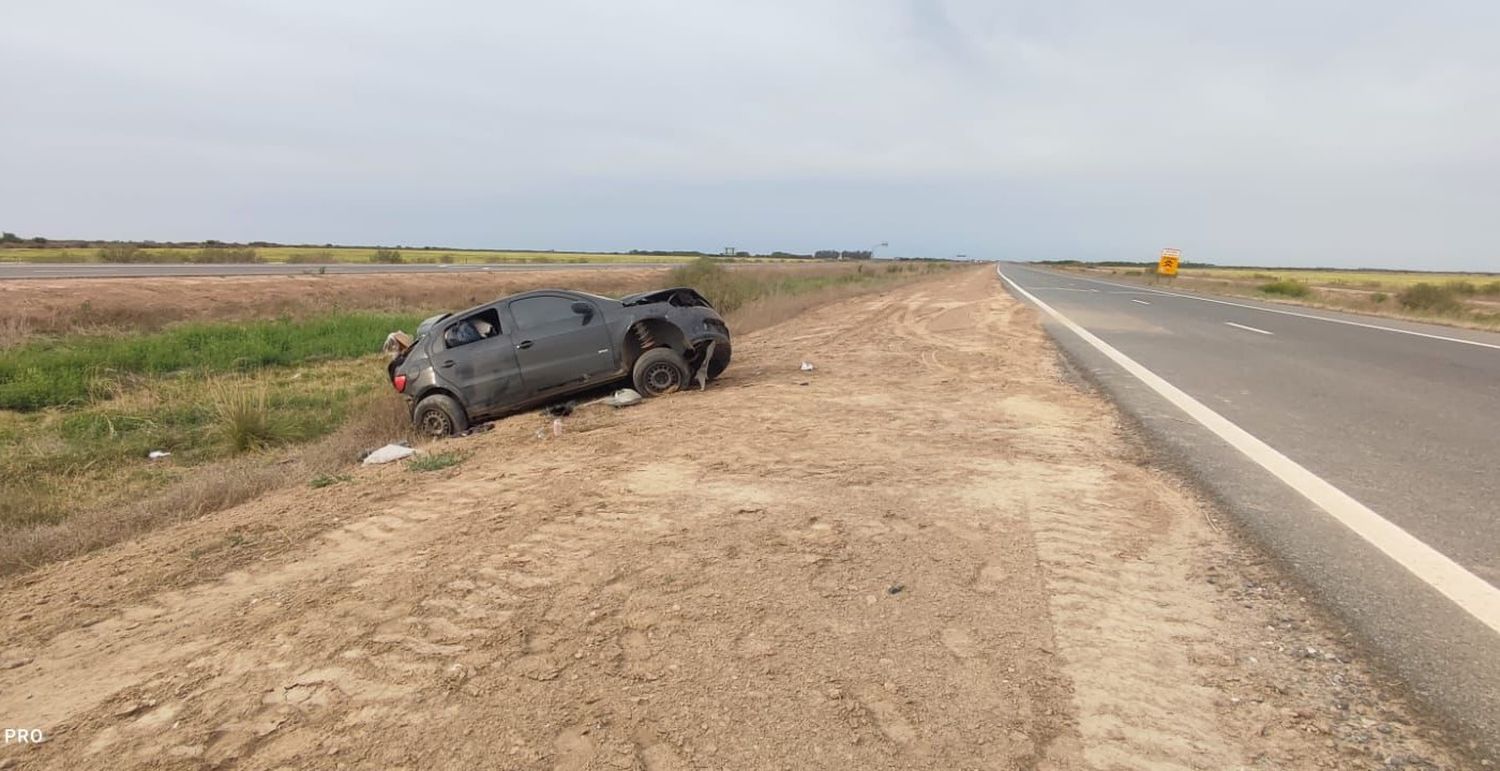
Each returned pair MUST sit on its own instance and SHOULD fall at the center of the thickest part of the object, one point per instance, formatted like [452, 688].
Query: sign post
[1167, 265]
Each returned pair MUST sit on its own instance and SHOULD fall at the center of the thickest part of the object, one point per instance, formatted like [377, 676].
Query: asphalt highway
[21, 270]
[1403, 418]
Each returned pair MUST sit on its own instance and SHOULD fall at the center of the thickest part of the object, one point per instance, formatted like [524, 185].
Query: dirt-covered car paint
[526, 349]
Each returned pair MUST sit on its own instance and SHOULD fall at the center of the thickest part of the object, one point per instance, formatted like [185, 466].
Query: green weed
[1286, 287]
[328, 480]
[435, 461]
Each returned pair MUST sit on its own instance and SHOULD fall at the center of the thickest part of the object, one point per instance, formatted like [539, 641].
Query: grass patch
[82, 369]
[1286, 287]
[1432, 298]
[435, 461]
[328, 480]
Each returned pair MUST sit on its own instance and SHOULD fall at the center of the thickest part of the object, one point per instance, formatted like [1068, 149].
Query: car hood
[685, 296]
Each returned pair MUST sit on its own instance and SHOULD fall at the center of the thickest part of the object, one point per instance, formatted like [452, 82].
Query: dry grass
[380, 418]
[49, 307]
[1441, 299]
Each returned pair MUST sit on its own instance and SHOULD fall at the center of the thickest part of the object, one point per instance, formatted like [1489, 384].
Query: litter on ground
[389, 453]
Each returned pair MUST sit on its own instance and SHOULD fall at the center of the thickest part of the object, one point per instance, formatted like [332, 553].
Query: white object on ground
[158, 455]
[388, 453]
[807, 366]
[625, 397]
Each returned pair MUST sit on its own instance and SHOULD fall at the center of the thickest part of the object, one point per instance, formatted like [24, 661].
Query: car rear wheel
[659, 371]
[438, 416]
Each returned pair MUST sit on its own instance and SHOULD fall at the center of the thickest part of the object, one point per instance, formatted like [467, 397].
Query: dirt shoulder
[932, 551]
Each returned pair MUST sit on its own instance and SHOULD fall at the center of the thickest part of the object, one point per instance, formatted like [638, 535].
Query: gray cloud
[1344, 133]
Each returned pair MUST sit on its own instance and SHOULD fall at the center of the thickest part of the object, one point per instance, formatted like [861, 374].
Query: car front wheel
[659, 371]
[439, 416]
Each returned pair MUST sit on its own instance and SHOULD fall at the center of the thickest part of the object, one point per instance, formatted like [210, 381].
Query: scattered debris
[396, 343]
[389, 453]
[158, 455]
[478, 429]
[708, 357]
[807, 366]
[559, 410]
[557, 426]
[896, 589]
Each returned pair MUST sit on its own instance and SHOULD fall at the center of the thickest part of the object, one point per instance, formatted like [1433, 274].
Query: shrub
[309, 258]
[244, 416]
[224, 254]
[1430, 298]
[387, 256]
[1286, 287]
[1380, 297]
[124, 253]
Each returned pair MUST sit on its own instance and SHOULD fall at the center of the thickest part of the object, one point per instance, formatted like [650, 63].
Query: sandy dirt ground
[933, 551]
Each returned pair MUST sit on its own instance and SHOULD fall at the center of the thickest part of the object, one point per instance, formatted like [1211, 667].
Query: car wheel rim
[661, 378]
[435, 423]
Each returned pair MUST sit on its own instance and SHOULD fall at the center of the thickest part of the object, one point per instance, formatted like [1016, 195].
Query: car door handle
[524, 344]
[447, 364]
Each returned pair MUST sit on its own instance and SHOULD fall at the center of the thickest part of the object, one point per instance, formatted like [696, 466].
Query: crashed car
[531, 348]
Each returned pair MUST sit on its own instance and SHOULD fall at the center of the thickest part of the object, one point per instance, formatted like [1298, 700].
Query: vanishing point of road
[1402, 418]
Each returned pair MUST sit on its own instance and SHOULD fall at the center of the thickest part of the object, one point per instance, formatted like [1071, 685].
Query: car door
[560, 340]
[481, 366]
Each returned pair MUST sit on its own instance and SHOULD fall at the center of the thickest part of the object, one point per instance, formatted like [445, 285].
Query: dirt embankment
[930, 552]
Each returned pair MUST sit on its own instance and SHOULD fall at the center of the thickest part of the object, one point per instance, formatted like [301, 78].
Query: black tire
[438, 416]
[658, 372]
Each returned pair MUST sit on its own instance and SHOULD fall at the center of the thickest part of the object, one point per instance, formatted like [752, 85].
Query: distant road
[1402, 417]
[19, 270]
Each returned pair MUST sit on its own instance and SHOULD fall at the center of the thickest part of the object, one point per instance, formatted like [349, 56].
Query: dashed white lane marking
[1346, 322]
[1142, 302]
[1248, 329]
[1470, 592]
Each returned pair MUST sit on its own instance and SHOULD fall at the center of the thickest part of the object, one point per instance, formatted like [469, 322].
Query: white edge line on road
[1248, 329]
[1470, 592]
[1142, 302]
[1298, 315]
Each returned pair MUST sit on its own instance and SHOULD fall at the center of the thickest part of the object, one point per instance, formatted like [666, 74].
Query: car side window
[471, 329]
[533, 312]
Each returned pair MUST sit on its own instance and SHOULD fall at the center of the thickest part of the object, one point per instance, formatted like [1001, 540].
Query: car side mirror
[583, 309]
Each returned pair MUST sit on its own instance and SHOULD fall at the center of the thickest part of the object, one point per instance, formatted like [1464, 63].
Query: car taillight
[399, 382]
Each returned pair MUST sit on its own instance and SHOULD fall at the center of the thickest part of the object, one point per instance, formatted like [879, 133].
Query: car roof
[520, 296]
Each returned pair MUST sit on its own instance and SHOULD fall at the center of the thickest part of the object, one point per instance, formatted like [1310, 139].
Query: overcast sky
[1271, 132]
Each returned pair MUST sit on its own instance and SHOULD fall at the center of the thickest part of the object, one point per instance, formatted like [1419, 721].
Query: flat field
[1458, 299]
[337, 254]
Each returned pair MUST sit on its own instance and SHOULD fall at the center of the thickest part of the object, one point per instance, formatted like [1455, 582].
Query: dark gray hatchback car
[527, 349]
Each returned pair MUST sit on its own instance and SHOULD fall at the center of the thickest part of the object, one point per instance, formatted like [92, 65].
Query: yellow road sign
[1167, 266]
